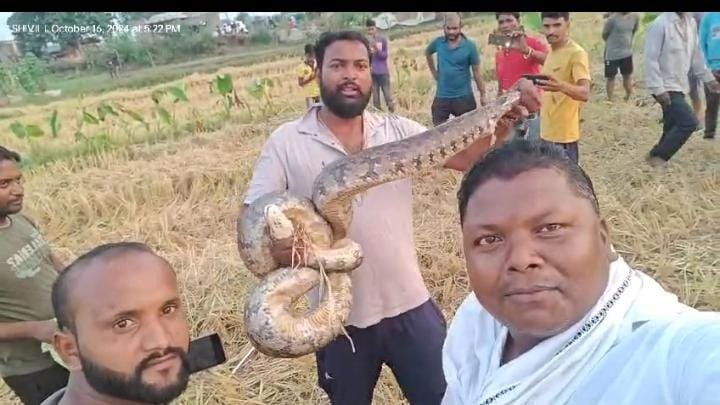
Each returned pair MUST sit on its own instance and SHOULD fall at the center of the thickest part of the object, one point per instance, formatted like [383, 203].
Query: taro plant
[223, 87]
[260, 90]
[176, 94]
[28, 132]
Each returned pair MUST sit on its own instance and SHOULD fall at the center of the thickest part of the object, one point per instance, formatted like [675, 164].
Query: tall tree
[57, 27]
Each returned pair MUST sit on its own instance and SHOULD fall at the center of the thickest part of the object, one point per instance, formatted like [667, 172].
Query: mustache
[353, 85]
[170, 350]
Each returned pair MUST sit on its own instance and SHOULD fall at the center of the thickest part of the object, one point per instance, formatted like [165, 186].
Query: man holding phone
[566, 85]
[524, 56]
[124, 301]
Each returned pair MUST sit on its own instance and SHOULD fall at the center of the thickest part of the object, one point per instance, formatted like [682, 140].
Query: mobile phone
[536, 78]
[496, 38]
[205, 352]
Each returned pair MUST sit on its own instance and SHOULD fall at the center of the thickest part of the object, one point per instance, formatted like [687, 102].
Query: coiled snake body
[271, 325]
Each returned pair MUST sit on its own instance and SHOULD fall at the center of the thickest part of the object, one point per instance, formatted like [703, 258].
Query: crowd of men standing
[455, 64]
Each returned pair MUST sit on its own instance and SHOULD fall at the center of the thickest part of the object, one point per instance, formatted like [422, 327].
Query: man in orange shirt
[524, 56]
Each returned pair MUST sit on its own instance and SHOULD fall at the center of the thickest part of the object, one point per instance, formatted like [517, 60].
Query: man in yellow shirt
[566, 87]
[307, 79]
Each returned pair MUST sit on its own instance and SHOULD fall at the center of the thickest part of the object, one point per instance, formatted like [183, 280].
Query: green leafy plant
[134, 115]
[22, 131]
[54, 124]
[223, 87]
[260, 90]
[176, 94]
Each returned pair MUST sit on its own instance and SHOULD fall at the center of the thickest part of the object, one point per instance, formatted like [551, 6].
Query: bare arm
[477, 74]
[579, 91]
[539, 55]
[41, 331]
[431, 65]
[429, 52]
[606, 29]
[57, 263]
[303, 82]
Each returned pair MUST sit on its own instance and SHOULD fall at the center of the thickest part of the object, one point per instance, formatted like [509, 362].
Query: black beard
[342, 106]
[4, 212]
[132, 388]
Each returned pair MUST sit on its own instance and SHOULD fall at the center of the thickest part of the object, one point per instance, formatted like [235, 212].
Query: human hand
[552, 84]
[519, 42]
[529, 96]
[663, 99]
[713, 86]
[43, 331]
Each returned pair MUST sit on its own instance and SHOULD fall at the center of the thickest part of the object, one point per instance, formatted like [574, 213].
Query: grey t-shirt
[619, 30]
[55, 398]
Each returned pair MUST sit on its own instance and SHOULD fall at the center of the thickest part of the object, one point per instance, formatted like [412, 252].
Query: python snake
[323, 221]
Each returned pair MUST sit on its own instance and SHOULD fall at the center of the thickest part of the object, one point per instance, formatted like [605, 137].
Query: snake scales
[270, 323]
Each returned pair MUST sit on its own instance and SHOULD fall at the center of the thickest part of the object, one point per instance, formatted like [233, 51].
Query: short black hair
[62, 288]
[7, 154]
[327, 38]
[566, 16]
[370, 22]
[516, 15]
[308, 49]
[517, 157]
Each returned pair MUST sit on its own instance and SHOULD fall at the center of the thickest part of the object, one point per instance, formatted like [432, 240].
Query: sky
[5, 33]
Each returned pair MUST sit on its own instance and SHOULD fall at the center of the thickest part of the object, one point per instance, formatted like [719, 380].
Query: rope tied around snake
[320, 225]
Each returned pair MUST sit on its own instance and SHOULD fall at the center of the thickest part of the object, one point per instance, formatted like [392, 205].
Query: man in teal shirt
[709, 37]
[456, 56]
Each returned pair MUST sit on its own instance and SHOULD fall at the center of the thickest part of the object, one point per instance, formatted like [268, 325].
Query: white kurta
[638, 344]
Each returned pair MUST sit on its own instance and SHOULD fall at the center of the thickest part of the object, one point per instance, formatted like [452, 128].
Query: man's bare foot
[656, 162]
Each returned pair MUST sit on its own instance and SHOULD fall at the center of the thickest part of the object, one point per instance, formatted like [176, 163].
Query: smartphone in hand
[536, 78]
[205, 352]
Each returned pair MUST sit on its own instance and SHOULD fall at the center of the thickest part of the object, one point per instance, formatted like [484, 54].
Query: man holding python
[392, 319]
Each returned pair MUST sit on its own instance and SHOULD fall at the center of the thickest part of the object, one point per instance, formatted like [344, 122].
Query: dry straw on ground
[183, 198]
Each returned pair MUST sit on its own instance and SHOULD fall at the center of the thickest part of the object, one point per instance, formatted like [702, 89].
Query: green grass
[75, 85]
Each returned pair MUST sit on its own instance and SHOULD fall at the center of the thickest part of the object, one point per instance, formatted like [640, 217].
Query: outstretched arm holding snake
[271, 174]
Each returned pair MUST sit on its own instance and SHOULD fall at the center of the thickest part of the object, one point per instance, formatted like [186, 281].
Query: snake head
[279, 225]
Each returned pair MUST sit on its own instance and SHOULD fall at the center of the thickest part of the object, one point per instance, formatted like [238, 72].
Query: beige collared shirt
[672, 51]
[388, 282]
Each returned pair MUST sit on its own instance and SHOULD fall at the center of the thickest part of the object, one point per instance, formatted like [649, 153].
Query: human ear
[66, 347]
[605, 238]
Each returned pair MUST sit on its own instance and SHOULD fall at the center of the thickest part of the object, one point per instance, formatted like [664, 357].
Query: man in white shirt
[555, 315]
[671, 51]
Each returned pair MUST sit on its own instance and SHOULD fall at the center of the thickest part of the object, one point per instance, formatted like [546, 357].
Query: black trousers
[679, 122]
[34, 388]
[410, 344]
[443, 107]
